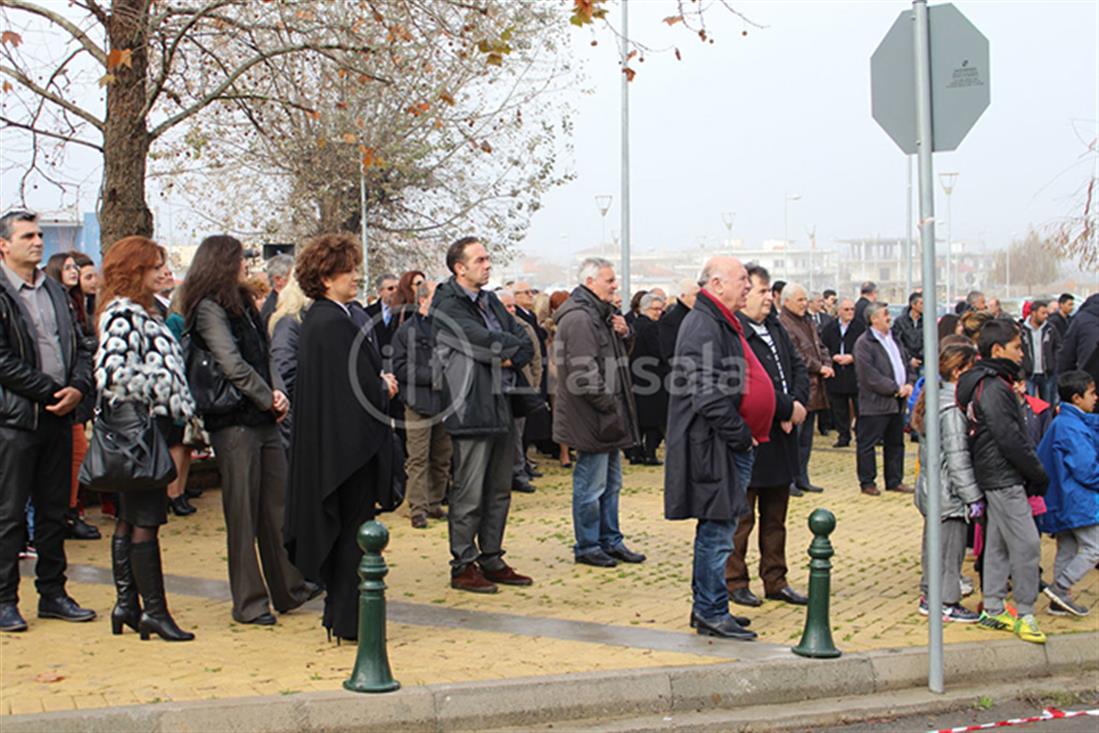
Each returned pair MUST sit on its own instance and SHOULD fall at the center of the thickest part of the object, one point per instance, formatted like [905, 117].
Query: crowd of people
[322, 412]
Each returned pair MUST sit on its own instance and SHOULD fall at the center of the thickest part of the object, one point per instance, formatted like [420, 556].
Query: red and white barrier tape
[1047, 714]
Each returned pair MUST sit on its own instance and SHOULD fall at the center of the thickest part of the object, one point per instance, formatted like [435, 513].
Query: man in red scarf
[721, 406]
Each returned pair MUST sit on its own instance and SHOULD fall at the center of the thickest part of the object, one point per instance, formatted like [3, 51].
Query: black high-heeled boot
[127, 607]
[155, 619]
[180, 506]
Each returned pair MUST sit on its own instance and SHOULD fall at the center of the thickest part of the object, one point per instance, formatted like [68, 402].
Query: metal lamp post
[786, 216]
[603, 201]
[728, 218]
[812, 232]
[948, 181]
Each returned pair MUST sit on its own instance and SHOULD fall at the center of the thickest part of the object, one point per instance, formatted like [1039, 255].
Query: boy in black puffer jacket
[1008, 470]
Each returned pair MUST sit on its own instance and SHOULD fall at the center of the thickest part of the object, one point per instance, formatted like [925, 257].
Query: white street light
[948, 181]
[786, 216]
[603, 202]
[727, 218]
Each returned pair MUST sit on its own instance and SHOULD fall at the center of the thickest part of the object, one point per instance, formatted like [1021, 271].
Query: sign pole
[933, 519]
[908, 234]
[624, 252]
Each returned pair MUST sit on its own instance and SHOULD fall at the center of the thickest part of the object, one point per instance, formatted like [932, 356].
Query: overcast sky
[737, 125]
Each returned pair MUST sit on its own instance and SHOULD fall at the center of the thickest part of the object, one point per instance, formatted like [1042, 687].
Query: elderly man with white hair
[595, 411]
[722, 405]
[795, 319]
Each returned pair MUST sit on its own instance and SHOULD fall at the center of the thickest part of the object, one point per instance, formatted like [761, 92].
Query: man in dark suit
[537, 425]
[868, 293]
[817, 313]
[839, 338]
[278, 274]
[383, 314]
[885, 381]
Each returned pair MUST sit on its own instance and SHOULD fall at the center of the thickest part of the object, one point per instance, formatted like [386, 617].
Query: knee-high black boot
[155, 619]
[127, 608]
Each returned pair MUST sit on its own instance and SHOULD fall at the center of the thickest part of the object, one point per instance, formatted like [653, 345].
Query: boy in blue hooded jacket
[1069, 451]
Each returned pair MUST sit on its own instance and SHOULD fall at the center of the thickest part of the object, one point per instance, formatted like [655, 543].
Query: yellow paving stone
[874, 595]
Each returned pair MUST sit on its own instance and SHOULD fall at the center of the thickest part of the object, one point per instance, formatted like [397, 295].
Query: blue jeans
[713, 543]
[1042, 386]
[596, 484]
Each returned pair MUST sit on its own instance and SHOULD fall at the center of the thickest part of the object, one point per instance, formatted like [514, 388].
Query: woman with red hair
[139, 364]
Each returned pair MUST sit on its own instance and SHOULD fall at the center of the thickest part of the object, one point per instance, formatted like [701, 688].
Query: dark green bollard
[816, 641]
[372, 673]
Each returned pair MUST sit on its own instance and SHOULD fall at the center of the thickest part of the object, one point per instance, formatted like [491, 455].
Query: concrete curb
[593, 695]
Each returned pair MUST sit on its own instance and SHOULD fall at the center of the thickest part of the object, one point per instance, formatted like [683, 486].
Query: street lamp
[786, 216]
[948, 180]
[727, 218]
[603, 201]
[812, 232]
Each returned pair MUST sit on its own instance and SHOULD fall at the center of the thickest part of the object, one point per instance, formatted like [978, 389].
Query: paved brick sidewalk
[56, 666]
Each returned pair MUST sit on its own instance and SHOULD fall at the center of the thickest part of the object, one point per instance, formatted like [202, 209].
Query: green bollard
[371, 672]
[816, 641]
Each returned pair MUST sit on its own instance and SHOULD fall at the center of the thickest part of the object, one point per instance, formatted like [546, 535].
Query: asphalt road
[997, 712]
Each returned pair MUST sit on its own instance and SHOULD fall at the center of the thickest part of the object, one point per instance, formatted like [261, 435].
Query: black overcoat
[776, 462]
[845, 382]
[705, 428]
[648, 372]
[338, 429]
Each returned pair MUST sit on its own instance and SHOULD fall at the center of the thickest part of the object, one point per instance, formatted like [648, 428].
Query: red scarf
[757, 406]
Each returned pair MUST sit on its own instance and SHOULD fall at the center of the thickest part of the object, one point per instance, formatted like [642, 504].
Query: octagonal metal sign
[960, 89]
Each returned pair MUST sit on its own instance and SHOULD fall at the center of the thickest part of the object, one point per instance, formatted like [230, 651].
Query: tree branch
[46, 133]
[23, 79]
[71, 28]
[241, 70]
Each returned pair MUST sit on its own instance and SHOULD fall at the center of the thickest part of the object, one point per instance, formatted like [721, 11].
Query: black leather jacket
[24, 389]
[1002, 451]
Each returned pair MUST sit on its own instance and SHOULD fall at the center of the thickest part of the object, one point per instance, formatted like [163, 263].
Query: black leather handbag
[213, 393]
[127, 451]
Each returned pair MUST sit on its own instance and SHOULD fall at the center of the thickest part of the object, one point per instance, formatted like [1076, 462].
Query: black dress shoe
[743, 621]
[11, 619]
[78, 529]
[312, 590]
[811, 488]
[596, 558]
[625, 554]
[64, 608]
[534, 472]
[653, 461]
[789, 595]
[264, 619]
[725, 628]
[744, 597]
[841, 443]
[520, 484]
[795, 491]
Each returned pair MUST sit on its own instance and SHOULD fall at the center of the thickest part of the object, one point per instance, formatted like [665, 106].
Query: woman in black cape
[342, 459]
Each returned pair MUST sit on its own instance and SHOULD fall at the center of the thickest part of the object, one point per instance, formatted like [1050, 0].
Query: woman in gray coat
[250, 455]
[961, 497]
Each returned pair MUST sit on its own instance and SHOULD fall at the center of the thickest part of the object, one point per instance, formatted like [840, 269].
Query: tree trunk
[126, 139]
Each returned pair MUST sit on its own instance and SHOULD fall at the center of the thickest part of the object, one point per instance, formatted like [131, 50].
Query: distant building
[64, 233]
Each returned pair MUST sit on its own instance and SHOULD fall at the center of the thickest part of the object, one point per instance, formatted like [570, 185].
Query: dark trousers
[873, 428]
[652, 438]
[842, 413]
[252, 464]
[772, 503]
[824, 421]
[35, 464]
[805, 448]
[479, 500]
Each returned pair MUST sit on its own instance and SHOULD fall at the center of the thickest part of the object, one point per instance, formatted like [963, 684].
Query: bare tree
[161, 64]
[454, 139]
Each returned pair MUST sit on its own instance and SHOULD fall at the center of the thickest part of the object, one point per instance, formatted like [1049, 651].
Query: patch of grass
[984, 702]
